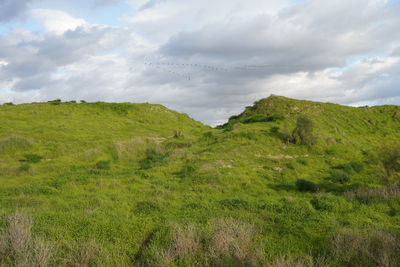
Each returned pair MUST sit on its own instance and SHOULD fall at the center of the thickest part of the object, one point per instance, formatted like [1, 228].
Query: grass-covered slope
[138, 184]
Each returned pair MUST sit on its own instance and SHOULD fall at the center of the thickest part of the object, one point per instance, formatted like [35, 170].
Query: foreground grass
[137, 184]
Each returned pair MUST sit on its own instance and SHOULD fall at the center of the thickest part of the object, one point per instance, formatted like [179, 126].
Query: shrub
[153, 158]
[84, 254]
[189, 169]
[303, 132]
[357, 166]
[55, 102]
[306, 186]
[389, 156]
[263, 118]
[103, 165]
[350, 167]
[232, 243]
[338, 176]
[185, 244]
[9, 104]
[367, 195]
[32, 158]
[370, 248]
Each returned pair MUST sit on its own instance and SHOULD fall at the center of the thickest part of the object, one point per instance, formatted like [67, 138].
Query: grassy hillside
[138, 184]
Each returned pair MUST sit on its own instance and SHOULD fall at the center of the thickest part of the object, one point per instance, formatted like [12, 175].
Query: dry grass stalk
[233, 239]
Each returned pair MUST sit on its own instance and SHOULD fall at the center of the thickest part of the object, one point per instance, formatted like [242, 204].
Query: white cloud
[210, 59]
[56, 21]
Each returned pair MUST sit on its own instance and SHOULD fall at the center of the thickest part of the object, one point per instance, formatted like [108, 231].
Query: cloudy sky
[207, 58]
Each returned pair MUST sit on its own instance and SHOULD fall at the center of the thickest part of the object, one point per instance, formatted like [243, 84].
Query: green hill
[138, 184]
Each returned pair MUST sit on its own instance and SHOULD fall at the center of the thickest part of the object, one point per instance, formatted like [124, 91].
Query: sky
[206, 58]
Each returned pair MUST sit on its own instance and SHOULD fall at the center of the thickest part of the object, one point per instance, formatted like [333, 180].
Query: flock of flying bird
[181, 69]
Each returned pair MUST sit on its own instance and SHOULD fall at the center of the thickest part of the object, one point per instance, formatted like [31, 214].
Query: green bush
[189, 169]
[306, 186]
[55, 102]
[32, 158]
[303, 132]
[339, 176]
[153, 158]
[103, 165]
[263, 118]
[389, 156]
[9, 104]
[357, 166]
[350, 167]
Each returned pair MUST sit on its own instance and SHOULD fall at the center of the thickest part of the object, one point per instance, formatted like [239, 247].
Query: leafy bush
[389, 156]
[9, 104]
[103, 165]
[189, 169]
[338, 176]
[55, 102]
[350, 167]
[32, 158]
[153, 158]
[330, 203]
[263, 118]
[306, 186]
[357, 166]
[303, 132]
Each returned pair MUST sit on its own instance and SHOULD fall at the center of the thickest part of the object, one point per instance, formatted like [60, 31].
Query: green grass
[138, 184]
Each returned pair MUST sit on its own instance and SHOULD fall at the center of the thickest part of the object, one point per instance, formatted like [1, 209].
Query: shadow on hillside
[322, 187]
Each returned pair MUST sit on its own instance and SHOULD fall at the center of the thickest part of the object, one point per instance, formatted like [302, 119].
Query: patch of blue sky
[108, 14]
[28, 24]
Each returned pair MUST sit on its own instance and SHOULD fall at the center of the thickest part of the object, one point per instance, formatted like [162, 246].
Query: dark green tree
[303, 132]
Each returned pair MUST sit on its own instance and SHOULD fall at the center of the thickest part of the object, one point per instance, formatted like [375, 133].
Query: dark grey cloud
[12, 9]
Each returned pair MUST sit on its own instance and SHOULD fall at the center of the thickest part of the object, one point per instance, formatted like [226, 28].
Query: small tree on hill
[303, 132]
[389, 156]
